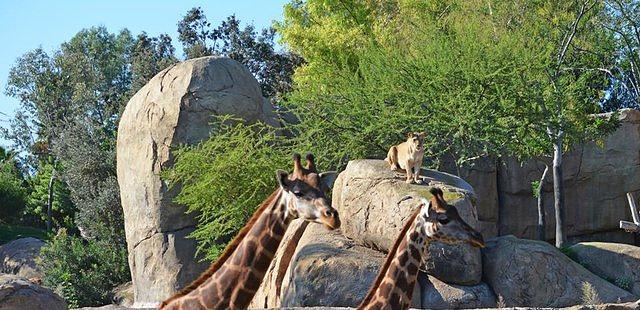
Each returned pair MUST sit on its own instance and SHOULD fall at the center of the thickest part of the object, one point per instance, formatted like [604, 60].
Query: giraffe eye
[442, 219]
[298, 193]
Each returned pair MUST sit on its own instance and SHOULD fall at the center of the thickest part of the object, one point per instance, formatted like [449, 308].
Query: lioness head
[416, 139]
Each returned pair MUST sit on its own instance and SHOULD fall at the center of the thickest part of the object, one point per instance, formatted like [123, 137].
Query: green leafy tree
[62, 209]
[482, 78]
[257, 51]
[150, 55]
[70, 106]
[12, 188]
[622, 19]
[226, 177]
[566, 85]
[71, 103]
[193, 33]
[374, 71]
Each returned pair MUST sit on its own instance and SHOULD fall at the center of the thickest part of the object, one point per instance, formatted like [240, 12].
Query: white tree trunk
[542, 222]
[558, 192]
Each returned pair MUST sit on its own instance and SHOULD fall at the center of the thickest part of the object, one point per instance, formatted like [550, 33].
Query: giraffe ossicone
[434, 220]
[232, 281]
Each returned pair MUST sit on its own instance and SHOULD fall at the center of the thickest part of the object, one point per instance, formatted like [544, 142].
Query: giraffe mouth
[331, 224]
[477, 243]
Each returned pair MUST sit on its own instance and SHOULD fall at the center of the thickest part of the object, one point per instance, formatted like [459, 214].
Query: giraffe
[232, 281]
[435, 220]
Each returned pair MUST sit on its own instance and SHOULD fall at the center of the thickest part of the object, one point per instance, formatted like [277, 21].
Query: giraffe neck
[400, 277]
[236, 282]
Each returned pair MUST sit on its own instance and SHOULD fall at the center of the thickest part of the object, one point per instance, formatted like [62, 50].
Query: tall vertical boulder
[175, 108]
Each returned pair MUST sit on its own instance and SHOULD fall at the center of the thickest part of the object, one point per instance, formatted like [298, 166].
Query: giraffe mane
[229, 249]
[390, 257]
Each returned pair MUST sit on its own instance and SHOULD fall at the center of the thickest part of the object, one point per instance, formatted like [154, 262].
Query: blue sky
[26, 24]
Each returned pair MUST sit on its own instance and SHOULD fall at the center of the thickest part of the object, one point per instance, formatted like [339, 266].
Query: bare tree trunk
[542, 221]
[558, 192]
[50, 198]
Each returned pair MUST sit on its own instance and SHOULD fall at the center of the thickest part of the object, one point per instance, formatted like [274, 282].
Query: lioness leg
[409, 169]
[392, 158]
[416, 174]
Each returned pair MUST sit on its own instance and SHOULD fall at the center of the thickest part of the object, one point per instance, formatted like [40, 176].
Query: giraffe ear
[328, 178]
[283, 179]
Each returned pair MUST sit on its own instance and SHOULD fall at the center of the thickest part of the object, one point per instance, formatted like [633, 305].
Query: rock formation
[536, 274]
[596, 181]
[616, 262]
[18, 257]
[374, 205]
[336, 268]
[17, 293]
[176, 107]
[436, 294]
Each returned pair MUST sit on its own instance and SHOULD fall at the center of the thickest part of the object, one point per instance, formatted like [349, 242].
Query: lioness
[408, 156]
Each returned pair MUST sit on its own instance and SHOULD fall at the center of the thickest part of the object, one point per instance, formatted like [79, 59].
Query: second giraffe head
[444, 223]
[305, 190]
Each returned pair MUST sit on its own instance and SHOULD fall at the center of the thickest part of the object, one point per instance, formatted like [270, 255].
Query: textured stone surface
[439, 295]
[176, 107]
[268, 295]
[611, 261]
[123, 295]
[330, 270]
[535, 274]
[596, 181]
[18, 257]
[17, 293]
[373, 206]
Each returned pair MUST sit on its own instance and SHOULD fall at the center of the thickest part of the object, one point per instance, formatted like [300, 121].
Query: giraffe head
[444, 224]
[305, 190]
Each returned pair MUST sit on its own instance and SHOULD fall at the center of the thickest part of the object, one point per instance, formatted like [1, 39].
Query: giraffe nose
[330, 218]
[329, 213]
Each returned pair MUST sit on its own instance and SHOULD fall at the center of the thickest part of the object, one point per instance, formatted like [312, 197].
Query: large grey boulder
[19, 257]
[535, 274]
[175, 108]
[330, 270]
[373, 205]
[17, 293]
[616, 262]
[440, 295]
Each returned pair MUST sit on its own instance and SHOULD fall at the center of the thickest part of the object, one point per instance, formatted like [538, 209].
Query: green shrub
[12, 192]
[83, 272]
[623, 283]
[226, 177]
